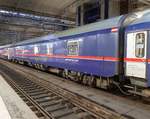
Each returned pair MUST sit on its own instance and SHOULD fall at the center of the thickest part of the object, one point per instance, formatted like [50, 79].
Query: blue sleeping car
[91, 49]
[113, 51]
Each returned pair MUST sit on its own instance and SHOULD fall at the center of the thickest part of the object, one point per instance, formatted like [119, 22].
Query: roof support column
[106, 9]
[124, 5]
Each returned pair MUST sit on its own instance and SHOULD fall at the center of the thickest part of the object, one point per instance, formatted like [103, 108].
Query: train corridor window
[140, 45]
[73, 47]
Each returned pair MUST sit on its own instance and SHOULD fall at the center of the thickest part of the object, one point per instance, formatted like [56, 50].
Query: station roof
[47, 7]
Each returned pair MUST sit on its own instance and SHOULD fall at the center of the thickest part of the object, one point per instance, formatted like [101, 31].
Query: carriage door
[136, 54]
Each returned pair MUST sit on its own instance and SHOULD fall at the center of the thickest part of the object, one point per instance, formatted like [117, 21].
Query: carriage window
[140, 45]
[36, 49]
[42, 49]
[50, 48]
[73, 47]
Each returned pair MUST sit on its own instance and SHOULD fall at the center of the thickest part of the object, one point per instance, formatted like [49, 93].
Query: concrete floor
[4, 114]
[14, 104]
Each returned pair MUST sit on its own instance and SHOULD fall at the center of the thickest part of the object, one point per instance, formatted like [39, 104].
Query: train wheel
[65, 74]
[85, 80]
[79, 78]
[92, 81]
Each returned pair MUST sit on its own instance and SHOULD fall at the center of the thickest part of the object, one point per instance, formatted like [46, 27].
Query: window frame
[69, 43]
[50, 48]
[139, 55]
[36, 49]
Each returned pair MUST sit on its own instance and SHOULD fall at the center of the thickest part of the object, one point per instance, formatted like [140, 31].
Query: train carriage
[91, 49]
[5, 52]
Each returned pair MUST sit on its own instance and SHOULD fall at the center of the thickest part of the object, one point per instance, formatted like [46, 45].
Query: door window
[140, 45]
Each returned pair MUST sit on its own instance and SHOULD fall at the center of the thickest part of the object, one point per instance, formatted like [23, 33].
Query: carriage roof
[105, 24]
[143, 17]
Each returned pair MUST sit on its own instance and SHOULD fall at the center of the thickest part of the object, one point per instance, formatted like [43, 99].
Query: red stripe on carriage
[87, 57]
[111, 58]
[134, 60]
[148, 60]
[73, 57]
[114, 29]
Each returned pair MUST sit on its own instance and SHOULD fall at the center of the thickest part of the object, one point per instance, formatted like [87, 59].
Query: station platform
[4, 114]
[11, 105]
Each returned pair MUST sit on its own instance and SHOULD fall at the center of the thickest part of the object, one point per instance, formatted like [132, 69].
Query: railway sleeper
[25, 83]
[30, 87]
[54, 98]
[54, 108]
[52, 103]
[63, 114]
[37, 94]
[84, 115]
[34, 90]
[40, 96]
[42, 100]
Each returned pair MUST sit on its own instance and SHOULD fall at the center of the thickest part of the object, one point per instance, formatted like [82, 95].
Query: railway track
[49, 101]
